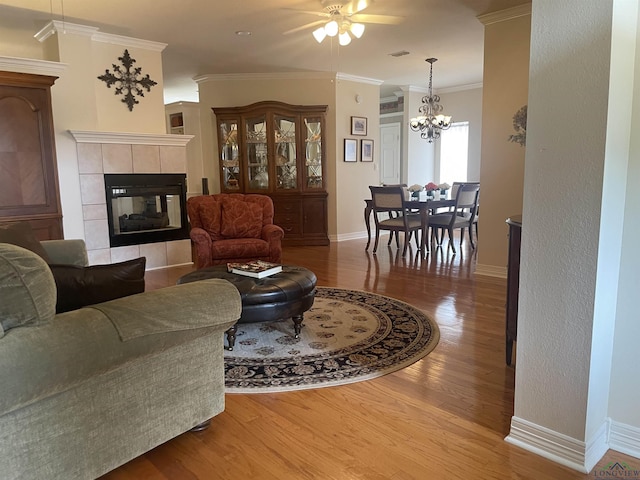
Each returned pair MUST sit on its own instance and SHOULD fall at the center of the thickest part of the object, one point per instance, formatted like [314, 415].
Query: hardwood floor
[444, 417]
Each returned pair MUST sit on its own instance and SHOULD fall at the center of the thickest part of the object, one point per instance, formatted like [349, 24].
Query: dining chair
[407, 195]
[390, 201]
[476, 218]
[461, 216]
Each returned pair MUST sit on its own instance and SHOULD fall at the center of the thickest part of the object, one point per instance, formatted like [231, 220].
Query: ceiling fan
[343, 18]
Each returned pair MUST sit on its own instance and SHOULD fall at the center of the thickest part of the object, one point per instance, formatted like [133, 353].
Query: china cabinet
[29, 179]
[276, 149]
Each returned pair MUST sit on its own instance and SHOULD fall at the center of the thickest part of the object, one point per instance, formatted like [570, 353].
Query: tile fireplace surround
[100, 153]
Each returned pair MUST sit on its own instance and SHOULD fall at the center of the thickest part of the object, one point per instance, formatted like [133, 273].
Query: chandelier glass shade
[341, 26]
[430, 121]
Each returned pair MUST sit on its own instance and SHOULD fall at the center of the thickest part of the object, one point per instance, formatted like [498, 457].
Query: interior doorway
[390, 153]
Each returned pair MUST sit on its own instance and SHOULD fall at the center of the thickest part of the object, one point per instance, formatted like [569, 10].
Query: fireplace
[146, 208]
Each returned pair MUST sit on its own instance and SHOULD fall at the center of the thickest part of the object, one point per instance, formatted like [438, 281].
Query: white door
[390, 153]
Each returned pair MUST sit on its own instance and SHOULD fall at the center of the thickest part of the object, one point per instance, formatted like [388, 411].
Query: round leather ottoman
[287, 294]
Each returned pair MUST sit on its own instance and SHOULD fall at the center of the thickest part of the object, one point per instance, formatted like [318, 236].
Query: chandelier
[339, 25]
[431, 120]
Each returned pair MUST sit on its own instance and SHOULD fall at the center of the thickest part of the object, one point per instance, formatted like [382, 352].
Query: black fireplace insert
[146, 208]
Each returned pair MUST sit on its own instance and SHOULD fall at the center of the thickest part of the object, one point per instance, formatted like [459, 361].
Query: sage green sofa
[85, 391]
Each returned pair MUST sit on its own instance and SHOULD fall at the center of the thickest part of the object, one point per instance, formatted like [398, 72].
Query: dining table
[424, 207]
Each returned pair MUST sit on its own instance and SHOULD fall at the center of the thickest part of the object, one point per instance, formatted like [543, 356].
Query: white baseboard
[557, 447]
[598, 445]
[348, 236]
[624, 439]
[491, 271]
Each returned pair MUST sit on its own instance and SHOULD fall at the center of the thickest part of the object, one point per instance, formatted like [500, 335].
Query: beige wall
[505, 88]
[346, 184]
[353, 179]
[113, 115]
[16, 37]
[195, 167]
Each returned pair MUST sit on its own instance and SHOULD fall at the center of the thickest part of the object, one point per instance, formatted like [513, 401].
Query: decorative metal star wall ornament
[128, 82]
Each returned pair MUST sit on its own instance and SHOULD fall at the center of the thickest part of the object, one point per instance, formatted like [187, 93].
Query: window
[454, 153]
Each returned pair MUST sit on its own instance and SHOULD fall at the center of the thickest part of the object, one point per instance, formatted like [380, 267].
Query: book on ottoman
[255, 269]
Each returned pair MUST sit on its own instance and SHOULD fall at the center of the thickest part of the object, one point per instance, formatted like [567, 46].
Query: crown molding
[506, 14]
[56, 26]
[30, 65]
[220, 77]
[128, 41]
[354, 78]
[165, 140]
[460, 88]
[414, 89]
[182, 103]
[440, 91]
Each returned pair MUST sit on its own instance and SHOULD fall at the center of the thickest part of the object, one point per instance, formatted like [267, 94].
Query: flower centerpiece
[430, 188]
[415, 190]
[443, 187]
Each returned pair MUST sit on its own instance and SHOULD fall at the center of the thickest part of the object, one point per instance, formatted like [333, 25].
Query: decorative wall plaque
[128, 82]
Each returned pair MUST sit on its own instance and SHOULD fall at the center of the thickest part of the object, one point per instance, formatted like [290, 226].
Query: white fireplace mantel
[131, 138]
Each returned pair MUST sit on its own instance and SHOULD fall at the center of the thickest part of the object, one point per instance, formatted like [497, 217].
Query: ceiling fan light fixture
[357, 29]
[331, 28]
[344, 39]
[319, 34]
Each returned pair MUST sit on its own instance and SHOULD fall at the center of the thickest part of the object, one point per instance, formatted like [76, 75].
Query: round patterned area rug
[348, 336]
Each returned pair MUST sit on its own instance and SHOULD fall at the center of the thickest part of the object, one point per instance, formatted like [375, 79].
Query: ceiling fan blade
[304, 27]
[381, 19]
[354, 6]
[308, 12]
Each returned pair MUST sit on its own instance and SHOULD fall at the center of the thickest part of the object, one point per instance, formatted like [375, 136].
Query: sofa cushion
[210, 214]
[27, 289]
[81, 286]
[22, 235]
[241, 219]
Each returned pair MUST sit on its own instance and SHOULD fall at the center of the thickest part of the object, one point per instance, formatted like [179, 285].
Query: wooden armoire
[28, 171]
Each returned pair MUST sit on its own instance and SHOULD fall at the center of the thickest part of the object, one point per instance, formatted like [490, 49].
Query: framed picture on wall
[350, 150]
[366, 150]
[359, 126]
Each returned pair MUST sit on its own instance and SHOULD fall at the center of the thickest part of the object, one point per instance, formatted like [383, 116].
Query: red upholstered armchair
[234, 227]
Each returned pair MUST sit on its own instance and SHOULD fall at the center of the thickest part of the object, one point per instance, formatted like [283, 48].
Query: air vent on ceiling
[401, 53]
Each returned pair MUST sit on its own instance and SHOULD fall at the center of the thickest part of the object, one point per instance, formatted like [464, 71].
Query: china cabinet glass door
[257, 158]
[313, 152]
[229, 160]
[285, 152]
